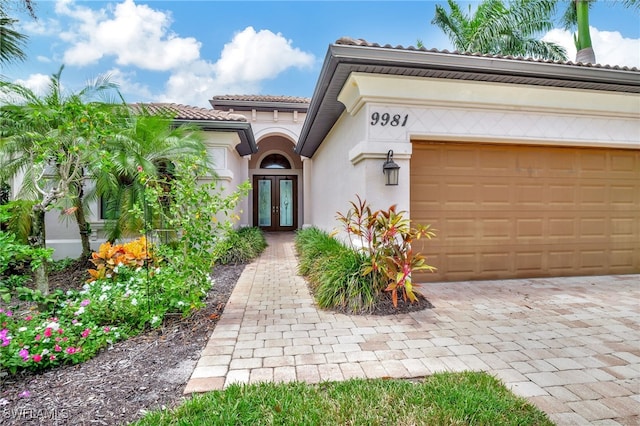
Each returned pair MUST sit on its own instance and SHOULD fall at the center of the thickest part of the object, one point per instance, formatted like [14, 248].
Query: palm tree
[12, 42]
[151, 145]
[577, 16]
[51, 141]
[499, 29]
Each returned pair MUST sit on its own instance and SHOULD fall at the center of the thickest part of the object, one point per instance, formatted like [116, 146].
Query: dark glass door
[275, 206]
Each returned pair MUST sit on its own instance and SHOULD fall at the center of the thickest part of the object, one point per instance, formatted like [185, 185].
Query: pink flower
[71, 350]
[85, 302]
[60, 331]
[37, 337]
[57, 348]
[24, 394]
[28, 318]
[4, 333]
[24, 354]
[74, 321]
[86, 333]
[47, 332]
[139, 169]
[9, 313]
[37, 358]
[52, 357]
[107, 329]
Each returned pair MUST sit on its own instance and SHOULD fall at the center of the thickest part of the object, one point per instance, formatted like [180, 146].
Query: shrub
[311, 244]
[38, 340]
[240, 246]
[335, 272]
[385, 237]
[17, 259]
[110, 258]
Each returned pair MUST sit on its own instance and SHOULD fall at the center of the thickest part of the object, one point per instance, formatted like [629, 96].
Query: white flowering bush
[104, 311]
[139, 296]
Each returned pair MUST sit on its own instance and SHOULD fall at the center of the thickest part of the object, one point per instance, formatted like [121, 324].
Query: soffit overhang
[343, 59]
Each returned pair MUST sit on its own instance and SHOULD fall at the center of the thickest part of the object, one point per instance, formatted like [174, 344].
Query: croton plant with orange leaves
[132, 254]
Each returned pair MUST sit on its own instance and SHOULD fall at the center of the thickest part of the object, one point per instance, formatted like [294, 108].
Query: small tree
[199, 214]
[150, 143]
[50, 141]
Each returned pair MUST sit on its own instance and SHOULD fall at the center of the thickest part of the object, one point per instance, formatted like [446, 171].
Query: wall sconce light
[390, 170]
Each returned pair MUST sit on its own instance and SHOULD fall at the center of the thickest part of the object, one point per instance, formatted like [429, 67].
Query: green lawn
[467, 398]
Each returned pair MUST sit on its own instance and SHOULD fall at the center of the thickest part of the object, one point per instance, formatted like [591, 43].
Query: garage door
[505, 211]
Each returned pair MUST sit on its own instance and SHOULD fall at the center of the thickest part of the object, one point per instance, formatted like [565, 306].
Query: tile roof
[187, 112]
[348, 55]
[348, 41]
[262, 98]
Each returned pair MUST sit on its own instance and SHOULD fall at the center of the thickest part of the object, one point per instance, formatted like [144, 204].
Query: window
[275, 161]
[107, 208]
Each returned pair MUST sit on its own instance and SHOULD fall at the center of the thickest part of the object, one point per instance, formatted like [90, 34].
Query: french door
[275, 202]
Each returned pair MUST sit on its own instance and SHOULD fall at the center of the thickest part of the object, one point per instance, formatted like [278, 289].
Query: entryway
[275, 202]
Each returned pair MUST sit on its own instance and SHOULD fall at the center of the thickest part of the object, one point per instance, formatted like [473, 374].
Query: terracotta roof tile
[187, 112]
[361, 42]
[262, 98]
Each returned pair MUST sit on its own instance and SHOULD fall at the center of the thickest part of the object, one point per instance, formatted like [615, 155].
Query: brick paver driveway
[569, 345]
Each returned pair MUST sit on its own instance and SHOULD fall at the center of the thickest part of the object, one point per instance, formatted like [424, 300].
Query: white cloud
[245, 61]
[197, 84]
[610, 47]
[40, 27]
[127, 84]
[253, 56]
[38, 83]
[134, 34]
[140, 37]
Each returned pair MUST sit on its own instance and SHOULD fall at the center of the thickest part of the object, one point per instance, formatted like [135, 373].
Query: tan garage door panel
[505, 211]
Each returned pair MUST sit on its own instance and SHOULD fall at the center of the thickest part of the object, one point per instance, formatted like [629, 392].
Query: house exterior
[523, 167]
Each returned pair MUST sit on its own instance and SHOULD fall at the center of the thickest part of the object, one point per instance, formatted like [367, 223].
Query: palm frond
[12, 42]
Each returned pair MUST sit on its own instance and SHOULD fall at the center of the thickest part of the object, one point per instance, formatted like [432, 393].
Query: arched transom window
[275, 161]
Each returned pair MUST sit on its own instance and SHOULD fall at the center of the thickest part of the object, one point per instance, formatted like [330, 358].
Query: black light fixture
[390, 170]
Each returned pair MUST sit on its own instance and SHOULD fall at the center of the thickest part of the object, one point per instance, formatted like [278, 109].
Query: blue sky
[188, 51]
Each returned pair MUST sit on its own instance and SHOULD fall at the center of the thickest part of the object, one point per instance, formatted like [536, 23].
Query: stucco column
[307, 199]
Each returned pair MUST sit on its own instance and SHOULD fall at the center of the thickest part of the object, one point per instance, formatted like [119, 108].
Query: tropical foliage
[510, 27]
[499, 27]
[12, 42]
[240, 246]
[385, 237]
[150, 144]
[377, 258]
[50, 141]
[335, 273]
[133, 286]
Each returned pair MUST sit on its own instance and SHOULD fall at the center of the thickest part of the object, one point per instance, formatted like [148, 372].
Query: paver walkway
[571, 346]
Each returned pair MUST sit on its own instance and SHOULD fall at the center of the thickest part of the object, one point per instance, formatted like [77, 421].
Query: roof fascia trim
[348, 55]
[247, 143]
[261, 105]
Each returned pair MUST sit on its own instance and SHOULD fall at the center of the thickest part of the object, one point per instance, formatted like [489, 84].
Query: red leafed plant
[386, 237]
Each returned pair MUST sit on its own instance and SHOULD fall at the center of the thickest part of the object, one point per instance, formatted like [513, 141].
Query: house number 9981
[388, 119]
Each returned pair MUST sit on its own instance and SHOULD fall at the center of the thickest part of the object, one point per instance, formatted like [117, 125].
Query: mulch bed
[132, 377]
[121, 383]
